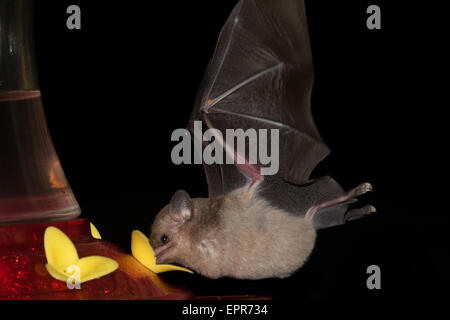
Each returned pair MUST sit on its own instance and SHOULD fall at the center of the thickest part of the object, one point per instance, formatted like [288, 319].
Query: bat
[255, 226]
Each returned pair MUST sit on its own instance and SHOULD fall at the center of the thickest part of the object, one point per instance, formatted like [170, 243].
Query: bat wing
[261, 76]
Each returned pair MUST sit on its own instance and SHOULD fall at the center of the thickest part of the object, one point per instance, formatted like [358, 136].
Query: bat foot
[361, 189]
[360, 212]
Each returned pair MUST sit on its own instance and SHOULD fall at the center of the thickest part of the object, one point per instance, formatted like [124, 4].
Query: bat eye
[164, 238]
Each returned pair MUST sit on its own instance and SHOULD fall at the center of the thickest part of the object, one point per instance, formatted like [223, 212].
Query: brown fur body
[238, 235]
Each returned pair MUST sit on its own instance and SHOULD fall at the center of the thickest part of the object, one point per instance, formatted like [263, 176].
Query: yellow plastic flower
[143, 252]
[94, 232]
[62, 256]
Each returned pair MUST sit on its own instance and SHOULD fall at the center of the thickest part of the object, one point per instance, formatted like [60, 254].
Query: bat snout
[162, 253]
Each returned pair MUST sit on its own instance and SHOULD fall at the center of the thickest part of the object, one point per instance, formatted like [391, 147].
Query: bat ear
[181, 207]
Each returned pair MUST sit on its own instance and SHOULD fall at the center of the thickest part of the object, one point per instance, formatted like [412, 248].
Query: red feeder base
[23, 274]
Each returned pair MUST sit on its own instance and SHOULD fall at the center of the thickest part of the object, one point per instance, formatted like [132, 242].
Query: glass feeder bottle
[33, 186]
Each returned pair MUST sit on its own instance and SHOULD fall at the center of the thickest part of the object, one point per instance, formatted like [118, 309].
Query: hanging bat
[256, 226]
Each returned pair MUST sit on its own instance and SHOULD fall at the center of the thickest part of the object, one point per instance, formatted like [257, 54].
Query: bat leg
[349, 197]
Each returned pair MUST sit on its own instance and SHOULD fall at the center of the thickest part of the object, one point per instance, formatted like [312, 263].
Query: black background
[115, 90]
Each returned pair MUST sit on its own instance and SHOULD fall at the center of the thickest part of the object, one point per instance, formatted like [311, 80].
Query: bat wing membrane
[261, 77]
